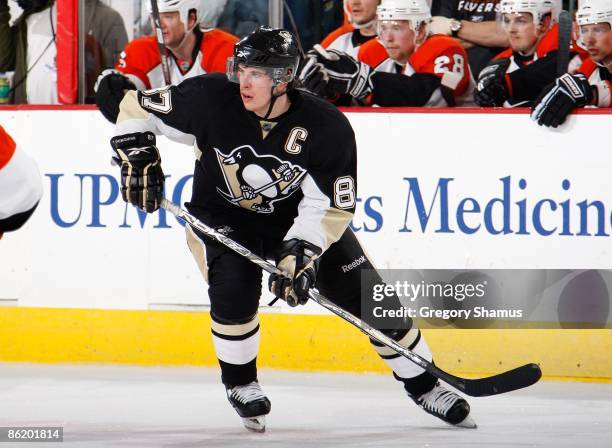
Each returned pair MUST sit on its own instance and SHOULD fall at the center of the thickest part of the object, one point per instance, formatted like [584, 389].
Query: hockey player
[277, 172]
[592, 85]
[360, 29]
[409, 68]
[518, 74]
[20, 184]
[191, 50]
[349, 38]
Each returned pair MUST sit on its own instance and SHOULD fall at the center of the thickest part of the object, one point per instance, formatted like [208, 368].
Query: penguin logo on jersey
[255, 182]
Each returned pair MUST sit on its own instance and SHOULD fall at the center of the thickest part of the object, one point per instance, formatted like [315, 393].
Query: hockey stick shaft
[295, 28]
[565, 39]
[163, 52]
[260, 189]
[505, 382]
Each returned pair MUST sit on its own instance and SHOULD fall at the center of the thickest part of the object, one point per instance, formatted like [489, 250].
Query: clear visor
[515, 21]
[236, 70]
[595, 30]
[394, 27]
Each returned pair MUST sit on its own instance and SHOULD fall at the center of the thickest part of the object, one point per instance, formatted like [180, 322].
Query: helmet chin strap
[272, 101]
[185, 36]
[359, 26]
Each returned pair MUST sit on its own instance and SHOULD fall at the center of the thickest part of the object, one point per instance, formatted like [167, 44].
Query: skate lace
[248, 392]
[438, 400]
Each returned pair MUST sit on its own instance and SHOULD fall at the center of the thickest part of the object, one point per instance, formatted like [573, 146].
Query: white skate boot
[446, 405]
[251, 404]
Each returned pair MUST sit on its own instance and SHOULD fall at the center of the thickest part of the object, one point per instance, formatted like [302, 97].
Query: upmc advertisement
[435, 191]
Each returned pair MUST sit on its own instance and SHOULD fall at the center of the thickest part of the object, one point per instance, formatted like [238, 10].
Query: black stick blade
[514, 379]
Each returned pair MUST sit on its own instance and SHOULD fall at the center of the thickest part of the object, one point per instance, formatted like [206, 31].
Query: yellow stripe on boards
[288, 341]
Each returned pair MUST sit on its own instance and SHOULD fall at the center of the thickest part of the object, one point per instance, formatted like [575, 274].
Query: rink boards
[436, 190]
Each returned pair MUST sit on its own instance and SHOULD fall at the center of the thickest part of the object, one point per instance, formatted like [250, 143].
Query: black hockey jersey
[289, 177]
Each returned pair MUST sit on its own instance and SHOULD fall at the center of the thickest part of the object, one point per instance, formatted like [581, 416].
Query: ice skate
[447, 406]
[251, 404]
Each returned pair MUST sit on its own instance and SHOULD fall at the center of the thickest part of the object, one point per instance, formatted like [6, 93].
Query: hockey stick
[163, 52]
[262, 188]
[518, 378]
[565, 37]
[295, 29]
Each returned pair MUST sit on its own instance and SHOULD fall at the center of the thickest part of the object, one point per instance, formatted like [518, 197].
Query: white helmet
[183, 7]
[416, 11]
[591, 12]
[537, 8]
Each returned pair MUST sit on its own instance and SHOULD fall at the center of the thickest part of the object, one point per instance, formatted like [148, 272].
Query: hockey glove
[346, 75]
[110, 88]
[558, 99]
[142, 178]
[312, 75]
[491, 89]
[298, 260]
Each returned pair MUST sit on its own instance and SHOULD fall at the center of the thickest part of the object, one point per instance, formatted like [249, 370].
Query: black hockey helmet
[274, 50]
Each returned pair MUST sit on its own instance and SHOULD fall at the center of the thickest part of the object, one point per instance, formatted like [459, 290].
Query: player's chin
[595, 55]
[393, 53]
[249, 105]
[170, 43]
[520, 45]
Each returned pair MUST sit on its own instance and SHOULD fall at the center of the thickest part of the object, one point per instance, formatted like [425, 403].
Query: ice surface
[111, 406]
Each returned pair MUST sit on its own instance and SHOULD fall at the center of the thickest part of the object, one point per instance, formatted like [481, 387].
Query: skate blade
[255, 424]
[467, 422]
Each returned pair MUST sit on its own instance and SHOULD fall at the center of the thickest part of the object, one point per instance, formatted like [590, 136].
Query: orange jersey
[439, 55]
[7, 147]
[590, 69]
[345, 39]
[344, 30]
[20, 181]
[549, 43]
[373, 53]
[141, 61]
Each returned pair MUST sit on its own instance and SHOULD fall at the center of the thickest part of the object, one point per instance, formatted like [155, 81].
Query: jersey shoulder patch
[331, 37]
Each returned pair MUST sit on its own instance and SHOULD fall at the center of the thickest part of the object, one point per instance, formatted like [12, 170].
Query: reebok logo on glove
[137, 151]
[573, 87]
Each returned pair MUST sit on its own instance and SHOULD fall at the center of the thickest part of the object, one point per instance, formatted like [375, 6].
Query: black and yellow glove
[142, 178]
[298, 259]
